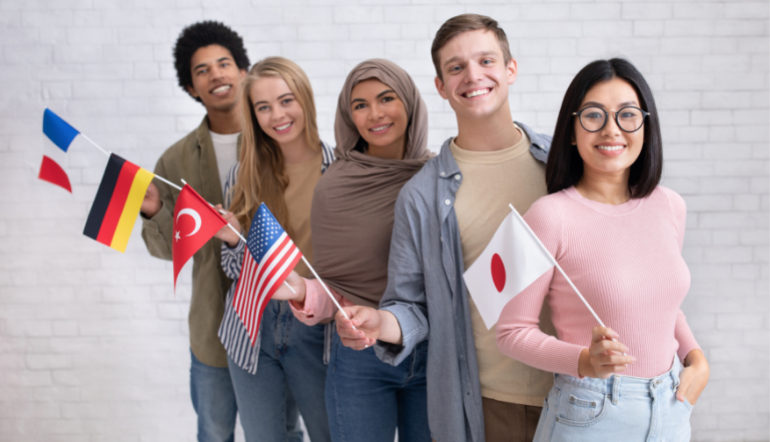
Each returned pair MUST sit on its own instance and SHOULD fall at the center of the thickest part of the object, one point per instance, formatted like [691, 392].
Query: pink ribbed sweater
[627, 262]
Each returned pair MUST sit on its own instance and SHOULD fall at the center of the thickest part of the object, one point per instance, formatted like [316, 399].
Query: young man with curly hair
[210, 62]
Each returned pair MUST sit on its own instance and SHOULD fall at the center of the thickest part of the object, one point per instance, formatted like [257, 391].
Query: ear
[191, 91]
[242, 73]
[512, 70]
[440, 87]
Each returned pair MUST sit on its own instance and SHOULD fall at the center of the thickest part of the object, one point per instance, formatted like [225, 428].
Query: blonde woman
[281, 159]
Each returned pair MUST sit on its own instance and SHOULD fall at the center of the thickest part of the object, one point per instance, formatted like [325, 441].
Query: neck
[488, 134]
[392, 152]
[225, 122]
[605, 188]
[297, 151]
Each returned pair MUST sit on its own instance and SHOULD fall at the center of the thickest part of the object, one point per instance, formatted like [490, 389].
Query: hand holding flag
[195, 222]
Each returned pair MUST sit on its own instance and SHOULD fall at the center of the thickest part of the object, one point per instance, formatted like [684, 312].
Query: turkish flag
[195, 222]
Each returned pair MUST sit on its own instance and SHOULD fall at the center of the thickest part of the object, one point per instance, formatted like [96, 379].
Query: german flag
[117, 203]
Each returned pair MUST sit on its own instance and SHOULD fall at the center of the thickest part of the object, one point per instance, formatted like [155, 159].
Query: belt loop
[675, 370]
[615, 388]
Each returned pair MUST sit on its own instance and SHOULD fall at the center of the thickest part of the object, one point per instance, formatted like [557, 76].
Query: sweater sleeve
[317, 305]
[684, 337]
[518, 332]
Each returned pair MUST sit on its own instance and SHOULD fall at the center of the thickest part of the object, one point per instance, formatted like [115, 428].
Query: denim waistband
[618, 385]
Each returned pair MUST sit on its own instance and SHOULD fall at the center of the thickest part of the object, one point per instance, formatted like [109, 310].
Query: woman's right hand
[362, 329]
[227, 234]
[605, 357]
[297, 283]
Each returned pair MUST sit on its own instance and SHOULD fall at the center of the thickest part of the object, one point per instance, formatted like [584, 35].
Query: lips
[611, 147]
[221, 90]
[476, 92]
[381, 128]
[282, 129]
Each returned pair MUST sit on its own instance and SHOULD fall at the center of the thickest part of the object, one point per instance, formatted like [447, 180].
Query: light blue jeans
[621, 408]
[291, 376]
[213, 398]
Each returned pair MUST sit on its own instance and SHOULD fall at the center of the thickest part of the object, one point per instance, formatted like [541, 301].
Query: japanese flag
[513, 259]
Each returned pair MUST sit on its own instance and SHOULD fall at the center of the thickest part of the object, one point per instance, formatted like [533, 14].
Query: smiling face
[216, 78]
[380, 117]
[475, 75]
[610, 151]
[278, 112]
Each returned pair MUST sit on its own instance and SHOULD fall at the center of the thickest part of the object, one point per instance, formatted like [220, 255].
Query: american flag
[269, 258]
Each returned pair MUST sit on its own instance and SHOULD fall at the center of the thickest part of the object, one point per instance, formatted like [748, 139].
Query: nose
[472, 73]
[376, 112]
[611, 127]
[278, 114]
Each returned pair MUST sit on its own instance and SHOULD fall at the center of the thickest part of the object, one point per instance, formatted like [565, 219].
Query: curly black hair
[200, 35]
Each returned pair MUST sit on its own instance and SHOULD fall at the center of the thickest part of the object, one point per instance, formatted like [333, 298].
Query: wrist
[585, 369]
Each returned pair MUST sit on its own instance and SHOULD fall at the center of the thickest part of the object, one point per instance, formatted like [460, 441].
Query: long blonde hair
[261, 177]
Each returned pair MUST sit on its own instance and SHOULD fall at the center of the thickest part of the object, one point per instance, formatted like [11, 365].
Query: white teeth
[221, 89]
[285, 126]
[477, 93]
[379, 129]
[610, 147]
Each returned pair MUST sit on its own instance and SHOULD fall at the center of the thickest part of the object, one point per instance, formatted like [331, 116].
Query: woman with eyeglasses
[618, 235]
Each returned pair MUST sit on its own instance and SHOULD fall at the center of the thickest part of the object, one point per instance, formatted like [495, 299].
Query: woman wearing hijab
[381, 130]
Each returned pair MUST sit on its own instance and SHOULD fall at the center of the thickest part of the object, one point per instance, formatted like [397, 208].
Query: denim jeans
[213, 399]
[621, 408]
[290, 377]
[368, 399]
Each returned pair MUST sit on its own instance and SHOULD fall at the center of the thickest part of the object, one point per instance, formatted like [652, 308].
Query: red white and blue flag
[269, 258]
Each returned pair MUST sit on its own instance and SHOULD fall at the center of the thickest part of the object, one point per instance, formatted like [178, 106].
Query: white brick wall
[93, 344]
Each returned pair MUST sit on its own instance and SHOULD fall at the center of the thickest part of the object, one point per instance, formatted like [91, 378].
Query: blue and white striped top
[232, 332]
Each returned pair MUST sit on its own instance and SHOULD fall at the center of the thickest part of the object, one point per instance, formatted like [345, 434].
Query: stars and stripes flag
[269, 258]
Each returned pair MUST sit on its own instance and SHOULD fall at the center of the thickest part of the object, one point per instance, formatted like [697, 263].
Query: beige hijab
[353, 203]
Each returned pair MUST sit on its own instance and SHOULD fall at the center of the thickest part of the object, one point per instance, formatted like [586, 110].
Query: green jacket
[193, 159]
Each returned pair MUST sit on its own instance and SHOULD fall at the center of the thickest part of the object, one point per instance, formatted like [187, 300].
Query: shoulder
[540, 143]
[677, 203]
[422, 186]
[181, 149]
[327, 156]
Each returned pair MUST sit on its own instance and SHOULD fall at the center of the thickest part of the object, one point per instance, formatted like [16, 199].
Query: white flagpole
[553, 260]
[339, 307]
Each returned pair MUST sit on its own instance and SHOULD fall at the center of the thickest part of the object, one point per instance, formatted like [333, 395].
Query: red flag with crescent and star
[195, 222]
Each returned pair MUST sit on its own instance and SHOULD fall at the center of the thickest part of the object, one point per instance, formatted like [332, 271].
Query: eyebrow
[475, 54]
[279, 98]
[202, 65]
[385, 92]
[626, 103]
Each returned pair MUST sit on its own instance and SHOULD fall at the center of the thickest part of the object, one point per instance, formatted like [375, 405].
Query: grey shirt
[427, 294]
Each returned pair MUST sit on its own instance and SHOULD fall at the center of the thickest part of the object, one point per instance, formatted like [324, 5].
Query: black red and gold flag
[117, 203]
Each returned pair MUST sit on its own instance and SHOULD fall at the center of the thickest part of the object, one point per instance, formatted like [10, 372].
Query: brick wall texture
[94, 344]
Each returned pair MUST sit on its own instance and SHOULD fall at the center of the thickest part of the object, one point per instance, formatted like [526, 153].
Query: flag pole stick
[553, 260]
[108, 154]
[339, 307]
[97, 146]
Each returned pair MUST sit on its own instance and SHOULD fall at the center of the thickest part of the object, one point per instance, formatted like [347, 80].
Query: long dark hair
[565, 166]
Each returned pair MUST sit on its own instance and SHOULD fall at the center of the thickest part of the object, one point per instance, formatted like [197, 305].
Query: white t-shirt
[226, 150]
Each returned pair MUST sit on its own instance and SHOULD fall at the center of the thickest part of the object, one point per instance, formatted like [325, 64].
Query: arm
[158, 216]
[518, 332]
[232, 259]
[403, 308]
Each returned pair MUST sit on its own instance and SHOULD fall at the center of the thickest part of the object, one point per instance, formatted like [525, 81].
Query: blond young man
[444, 218]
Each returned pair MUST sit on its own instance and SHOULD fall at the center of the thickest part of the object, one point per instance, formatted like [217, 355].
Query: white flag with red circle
[512, 261]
